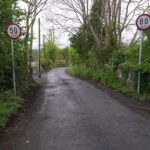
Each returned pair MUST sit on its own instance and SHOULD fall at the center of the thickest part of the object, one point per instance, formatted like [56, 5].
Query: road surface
[71, 114]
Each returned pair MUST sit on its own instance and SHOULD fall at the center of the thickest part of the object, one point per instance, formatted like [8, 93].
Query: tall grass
[9, 105]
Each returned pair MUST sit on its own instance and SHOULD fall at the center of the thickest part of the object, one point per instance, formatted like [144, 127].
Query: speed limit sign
[143, 22]
[13, 31]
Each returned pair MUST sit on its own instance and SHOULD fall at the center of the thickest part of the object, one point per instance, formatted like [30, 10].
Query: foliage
[117, 58]
[10, 9]
[97, 52]
[25, 88]
[105, 76]
[82, 41]
[74, 57]
[98, 24]
[5, 57]
[9, 105]
[92, 60]
[105, 69]
[64, 53]
[132, 57]
[49, 55]
[130, 63]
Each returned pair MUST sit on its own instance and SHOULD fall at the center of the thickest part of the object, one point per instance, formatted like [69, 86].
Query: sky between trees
[57, 12]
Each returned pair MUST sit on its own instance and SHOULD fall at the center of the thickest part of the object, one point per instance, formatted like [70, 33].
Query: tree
[105, 23]
[34, 8]
[113, 17]
[10, 9]
[49, 55]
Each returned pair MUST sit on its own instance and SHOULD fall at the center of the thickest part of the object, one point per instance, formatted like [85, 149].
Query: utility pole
[53, 35]
[44, 46]
[50, 34]
[39, 30]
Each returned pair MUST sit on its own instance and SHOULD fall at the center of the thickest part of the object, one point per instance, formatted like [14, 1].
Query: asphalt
[71, 114]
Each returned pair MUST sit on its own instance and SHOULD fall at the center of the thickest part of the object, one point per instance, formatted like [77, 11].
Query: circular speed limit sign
[143, 22]
[13, 31]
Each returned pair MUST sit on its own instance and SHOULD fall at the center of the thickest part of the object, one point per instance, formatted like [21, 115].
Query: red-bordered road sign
[13, 31]
[143, 22]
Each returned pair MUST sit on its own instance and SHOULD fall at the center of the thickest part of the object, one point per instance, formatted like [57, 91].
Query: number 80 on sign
[143, 22]
[13, 31]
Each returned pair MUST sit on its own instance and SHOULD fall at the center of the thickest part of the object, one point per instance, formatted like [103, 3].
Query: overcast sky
[61, 37]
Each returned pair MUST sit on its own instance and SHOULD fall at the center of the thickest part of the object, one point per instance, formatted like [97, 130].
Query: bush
[130, 64]
[49, 55]
[116, 59]
[9, 105]
[74, 58]
[46, 65]
[25, 88]
[105, 76]
[92, 60]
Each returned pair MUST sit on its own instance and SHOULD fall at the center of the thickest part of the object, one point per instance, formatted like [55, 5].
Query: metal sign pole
[140, 61]
[13, 31]
[13, 66]
[142, 23]
[39, 31]
[44, 46]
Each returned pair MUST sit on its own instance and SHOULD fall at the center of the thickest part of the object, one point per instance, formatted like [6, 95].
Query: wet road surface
[71, 114]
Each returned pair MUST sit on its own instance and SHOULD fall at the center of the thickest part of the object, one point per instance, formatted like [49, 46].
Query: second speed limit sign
[143, 22]
[13, 31]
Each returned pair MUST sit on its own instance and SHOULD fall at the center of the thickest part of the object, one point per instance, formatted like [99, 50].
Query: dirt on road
[71, 114]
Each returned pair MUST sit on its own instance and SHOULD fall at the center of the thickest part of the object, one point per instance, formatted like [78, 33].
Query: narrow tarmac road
[71, 114]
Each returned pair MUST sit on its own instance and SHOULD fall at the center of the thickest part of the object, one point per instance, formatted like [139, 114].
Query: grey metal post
[53, 35]
[140, 61]
[39, 31]
[44, 46]
[13, 66]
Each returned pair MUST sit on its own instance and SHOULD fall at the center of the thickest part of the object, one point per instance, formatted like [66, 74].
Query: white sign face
[13, 31]
[143, 22]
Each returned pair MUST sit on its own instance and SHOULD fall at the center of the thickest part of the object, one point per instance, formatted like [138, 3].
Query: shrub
[9, 105]
[105, 76]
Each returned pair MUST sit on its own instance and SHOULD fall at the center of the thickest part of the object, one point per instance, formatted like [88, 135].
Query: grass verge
[9, 105]
[106, 77]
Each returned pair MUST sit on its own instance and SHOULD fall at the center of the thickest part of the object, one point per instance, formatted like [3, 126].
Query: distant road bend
[71, 114]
